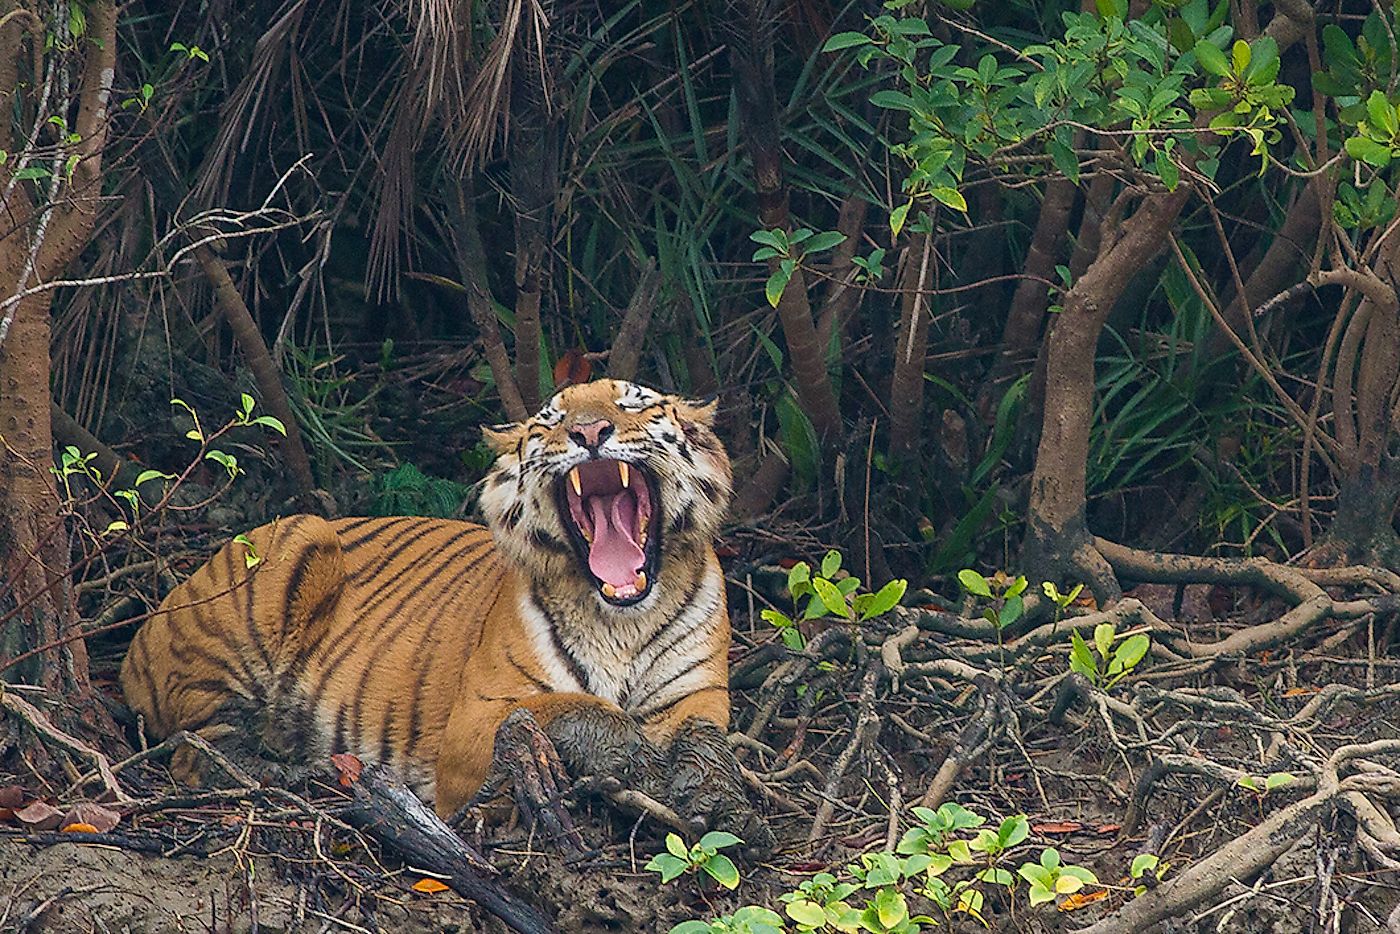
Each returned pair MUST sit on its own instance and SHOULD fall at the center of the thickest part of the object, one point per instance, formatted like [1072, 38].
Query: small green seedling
[1263, 784]
[1050, 878]
[251, 558]
[820, 902]
[1111, 664]
[751, 919]
[1003, 590]
[702, 857]
[1145, 866]
[828, 595]
[994, 843]
[1062, 601]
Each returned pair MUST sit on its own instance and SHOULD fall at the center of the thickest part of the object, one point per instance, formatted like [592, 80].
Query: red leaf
[11, 796]
[1108, 828]
[37, 815]
[348, 766]
[1058, 826]
[80, 828]
[572, 368]
[787, 564]
[92, 815]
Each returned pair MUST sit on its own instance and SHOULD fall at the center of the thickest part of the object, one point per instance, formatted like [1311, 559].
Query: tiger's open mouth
[609, 509]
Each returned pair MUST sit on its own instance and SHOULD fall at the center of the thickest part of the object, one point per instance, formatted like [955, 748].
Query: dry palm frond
[486, 115]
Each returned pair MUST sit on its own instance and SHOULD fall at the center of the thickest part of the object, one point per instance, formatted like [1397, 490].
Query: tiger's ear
[502, 438]
[701, 411]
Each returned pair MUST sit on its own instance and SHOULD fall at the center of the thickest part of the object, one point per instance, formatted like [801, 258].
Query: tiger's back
[333, 640]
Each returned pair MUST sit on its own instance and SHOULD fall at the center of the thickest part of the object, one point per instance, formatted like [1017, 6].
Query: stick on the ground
[389, 812]
[41, 724]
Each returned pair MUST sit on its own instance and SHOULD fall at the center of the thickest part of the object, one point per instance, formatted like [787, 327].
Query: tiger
[592, 599]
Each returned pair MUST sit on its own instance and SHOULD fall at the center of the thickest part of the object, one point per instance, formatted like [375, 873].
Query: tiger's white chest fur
[637, 660]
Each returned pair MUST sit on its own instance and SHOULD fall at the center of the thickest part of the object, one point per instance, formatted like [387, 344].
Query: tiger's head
[607, 488]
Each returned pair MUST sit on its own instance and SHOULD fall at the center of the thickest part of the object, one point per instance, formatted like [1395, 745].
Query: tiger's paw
[706, 787]
[525, 758]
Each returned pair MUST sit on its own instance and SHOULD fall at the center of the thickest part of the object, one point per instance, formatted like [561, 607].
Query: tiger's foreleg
[702, 776]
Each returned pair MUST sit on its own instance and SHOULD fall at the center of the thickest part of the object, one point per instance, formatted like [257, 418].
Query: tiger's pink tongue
[615, 557]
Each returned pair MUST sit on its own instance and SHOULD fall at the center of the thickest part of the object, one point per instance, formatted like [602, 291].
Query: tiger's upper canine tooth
[575, 482]
[625, 472]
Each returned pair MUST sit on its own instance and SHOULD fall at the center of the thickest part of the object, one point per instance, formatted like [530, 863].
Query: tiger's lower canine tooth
[641, 582]
[575, 482]
[609, 590]
[625, 472]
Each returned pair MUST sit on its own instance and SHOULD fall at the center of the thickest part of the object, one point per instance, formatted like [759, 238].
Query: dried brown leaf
[348, 766]
[93, 815]
[38, 815]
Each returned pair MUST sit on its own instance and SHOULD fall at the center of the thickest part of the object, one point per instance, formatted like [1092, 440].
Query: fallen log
[388, 811]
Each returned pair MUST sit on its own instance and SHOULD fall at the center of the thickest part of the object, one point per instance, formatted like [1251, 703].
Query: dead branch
[40, 723]
[386, 810]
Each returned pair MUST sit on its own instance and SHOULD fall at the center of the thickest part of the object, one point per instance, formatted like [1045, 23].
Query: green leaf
[1167, 171]
[898, 216]
[894, 100]
[1040, 894]
[1381, 115]
[846, 40]
[1118, 9]
[974, 583]
[1013, 830]
[1065, 159]
[32, 173]
[951, 197]
[886, 599]
[1131, 650]
[806, 913]
[831, 598]
[1143, 862]
[146, 475]
[246, 406]
[776, 238]
[1239, 56]
[1103, 638]
[831, 563]
[1212, 59]
[1252, 783]
[670, 867]
[229, 461]
[1050, 857]
[777, 282]
[1068, 884]
[676, 846]
[722, 869]
[1081, 658]
[269, 421]
[718, 840]
[824, 241]
[251, 558]
[691, 927]
[1367, 150]
[1277, 780]
[115, 526]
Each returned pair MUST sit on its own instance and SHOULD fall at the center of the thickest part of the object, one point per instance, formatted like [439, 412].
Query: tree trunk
[1057, 534]
[36, 601]
[751, 54]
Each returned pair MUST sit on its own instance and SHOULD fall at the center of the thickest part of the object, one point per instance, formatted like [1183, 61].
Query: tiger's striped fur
[408, 641]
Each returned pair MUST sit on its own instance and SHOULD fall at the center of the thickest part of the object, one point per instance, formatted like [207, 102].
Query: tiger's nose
[591, 434]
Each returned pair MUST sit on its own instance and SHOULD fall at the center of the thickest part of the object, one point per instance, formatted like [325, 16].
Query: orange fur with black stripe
[595, 597]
